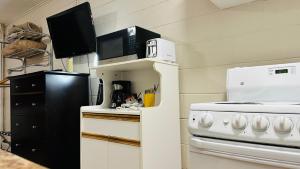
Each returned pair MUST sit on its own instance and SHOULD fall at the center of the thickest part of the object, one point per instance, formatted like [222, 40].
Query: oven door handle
[271, 155]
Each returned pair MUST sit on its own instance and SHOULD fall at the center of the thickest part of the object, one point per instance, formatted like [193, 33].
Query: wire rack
[25, 35]
[29, 53]
[3, 138]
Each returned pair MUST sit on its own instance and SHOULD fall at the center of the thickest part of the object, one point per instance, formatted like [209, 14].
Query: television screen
[72, 31]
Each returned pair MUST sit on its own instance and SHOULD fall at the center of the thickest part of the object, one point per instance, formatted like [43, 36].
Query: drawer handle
[17, 124]
[17, 145]
[34, 126]
[16, 87]
[112, 139]
[17, 104]
[33, 85]
[33, 104]
[33, 150]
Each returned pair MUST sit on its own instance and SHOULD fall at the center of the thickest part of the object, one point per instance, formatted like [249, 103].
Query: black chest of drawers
[45, 117]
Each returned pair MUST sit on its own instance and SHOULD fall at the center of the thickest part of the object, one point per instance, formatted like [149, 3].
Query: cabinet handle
[33, 104]
[17, 145]
[17, 124]
[34, 126]
[33, 85]
[112, 139]
[33, 150]
[16, 86]
[17, 104]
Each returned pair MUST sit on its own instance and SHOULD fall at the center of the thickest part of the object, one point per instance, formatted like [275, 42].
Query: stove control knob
[206, 120]
[260, 123]
[283, 124]
[239, 122]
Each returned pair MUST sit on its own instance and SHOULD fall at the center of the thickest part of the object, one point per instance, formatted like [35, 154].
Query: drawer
[33, 151]
[112, 125]
[28, 84]
[37, 153]
[27, 104]
[26, 128]
[20, 148]
[20, 128]
[37, 128]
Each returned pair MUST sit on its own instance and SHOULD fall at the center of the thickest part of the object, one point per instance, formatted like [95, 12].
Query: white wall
[208, 40]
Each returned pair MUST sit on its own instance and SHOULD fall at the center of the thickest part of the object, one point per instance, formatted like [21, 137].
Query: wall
[208, 40]
[2, 30]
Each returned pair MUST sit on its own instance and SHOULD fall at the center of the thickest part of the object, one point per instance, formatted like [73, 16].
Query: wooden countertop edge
[112, 139]
[118, 117]
[11, 161]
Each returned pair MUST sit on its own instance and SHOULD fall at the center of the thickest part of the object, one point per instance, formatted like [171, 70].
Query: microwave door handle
[149, 48]
[151, 51]
[247, 152]
[155, 50]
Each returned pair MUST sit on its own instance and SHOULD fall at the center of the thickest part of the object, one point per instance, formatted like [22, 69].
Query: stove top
[260, 103]
[275, 123]
[255, 107]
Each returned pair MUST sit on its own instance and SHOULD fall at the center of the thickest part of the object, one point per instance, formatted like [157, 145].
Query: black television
[72, 31]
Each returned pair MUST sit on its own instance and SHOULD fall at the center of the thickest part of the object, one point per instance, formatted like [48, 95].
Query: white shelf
[98, 109]
[157, 123]
[131, 65]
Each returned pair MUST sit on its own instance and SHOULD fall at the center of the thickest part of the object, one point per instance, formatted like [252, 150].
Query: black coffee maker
[120, 91]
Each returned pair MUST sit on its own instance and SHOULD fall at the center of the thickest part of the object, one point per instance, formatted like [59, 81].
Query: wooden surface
[11, 161]
[113, 139]
[118, 117]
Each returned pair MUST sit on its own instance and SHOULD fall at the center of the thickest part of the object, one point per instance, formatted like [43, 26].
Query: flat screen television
[72, 31]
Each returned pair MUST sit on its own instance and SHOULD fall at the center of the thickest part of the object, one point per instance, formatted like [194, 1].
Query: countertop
[98, 109]
[11, 161]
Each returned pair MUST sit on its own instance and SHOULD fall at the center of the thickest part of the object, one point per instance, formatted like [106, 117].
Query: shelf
[6, 85]
[26, 35]
[155, 121]
[23, 55]
[4, 42]
[98, 109]
[29, 53]
[146, 63]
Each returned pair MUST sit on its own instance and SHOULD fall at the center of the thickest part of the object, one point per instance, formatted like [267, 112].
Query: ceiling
[12, 9]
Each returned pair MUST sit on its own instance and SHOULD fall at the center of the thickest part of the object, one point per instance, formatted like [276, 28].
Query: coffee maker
[120, 91]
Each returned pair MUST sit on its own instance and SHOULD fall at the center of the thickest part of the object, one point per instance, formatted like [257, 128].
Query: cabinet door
[94, 154]
[122, 156]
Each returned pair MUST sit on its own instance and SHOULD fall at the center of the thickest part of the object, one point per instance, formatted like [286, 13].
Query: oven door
[208, 153]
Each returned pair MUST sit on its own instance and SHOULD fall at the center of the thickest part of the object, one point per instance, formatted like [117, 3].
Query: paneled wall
[208, 40]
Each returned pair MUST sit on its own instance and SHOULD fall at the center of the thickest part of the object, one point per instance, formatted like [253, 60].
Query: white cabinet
[102, 154]
[121, 156]
[148, 138]
[94, 154]
[110, 141]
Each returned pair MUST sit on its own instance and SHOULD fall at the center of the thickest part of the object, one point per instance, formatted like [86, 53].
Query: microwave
[125, 44]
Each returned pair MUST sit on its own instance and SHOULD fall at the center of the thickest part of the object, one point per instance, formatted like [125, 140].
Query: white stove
[260, 123]
[258, 127]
